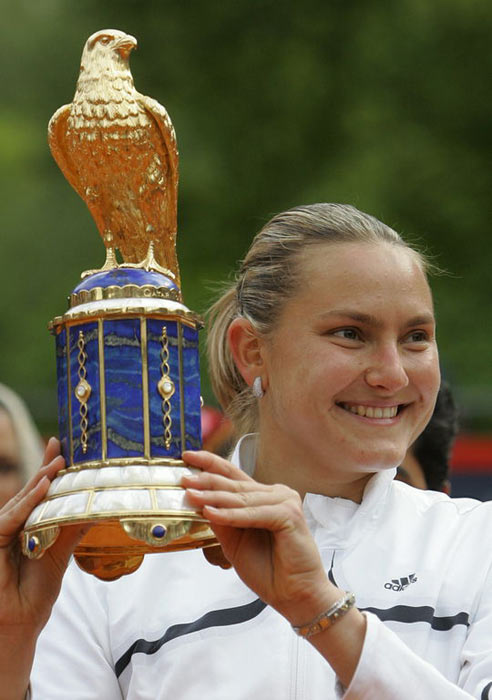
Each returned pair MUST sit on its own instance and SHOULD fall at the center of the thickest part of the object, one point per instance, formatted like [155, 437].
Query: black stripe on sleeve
[243, 613]
[330, 572]
[485, 692]
[215, 618]
[423, 613]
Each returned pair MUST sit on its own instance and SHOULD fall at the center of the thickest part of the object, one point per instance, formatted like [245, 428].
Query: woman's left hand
[263, 534]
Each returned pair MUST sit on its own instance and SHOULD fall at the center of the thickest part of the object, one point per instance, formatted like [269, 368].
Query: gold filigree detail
[118, 487]
[145, 386]
[181, 345]
[156, 533]
[102, 387]
[124, 462]
[34, 546]
[166, 389]
[126, 310]
[69, 394]
[105, 516]
[82, 391]
[128, 291]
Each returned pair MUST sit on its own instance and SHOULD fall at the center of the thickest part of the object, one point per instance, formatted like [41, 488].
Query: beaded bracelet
[328, 618]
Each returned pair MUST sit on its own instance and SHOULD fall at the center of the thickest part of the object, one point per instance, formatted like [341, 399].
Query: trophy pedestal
[133, 510]
[128, 405]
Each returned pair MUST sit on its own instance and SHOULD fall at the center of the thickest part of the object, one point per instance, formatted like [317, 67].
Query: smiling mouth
[373, 411]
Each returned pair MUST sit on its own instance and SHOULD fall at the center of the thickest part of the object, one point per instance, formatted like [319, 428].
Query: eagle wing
[167, 149]
[61, 145]
[57, 139]
[166, 131]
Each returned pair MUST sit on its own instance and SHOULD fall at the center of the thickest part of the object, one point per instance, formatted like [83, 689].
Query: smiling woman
[335, 316]
[323, 352]
[355, 383]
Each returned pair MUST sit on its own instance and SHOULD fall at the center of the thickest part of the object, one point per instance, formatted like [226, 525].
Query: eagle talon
[109, 264]
[150, 263]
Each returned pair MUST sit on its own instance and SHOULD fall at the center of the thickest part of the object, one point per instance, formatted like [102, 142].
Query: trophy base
[115, 547]
[132, 508]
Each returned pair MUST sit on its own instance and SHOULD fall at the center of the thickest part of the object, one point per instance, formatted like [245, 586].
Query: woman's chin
[382, 461]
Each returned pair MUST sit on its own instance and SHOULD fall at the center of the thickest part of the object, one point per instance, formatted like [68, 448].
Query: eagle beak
[125, 45]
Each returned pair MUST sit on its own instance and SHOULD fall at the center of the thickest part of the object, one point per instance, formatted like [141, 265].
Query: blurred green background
[386, 105]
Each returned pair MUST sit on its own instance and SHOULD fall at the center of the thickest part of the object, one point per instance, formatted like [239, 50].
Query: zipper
[298, 668]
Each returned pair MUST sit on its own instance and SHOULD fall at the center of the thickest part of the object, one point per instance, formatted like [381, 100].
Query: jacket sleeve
[389, 669]
[73, 654]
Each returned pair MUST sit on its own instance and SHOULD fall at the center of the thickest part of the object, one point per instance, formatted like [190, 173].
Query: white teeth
[372, 411]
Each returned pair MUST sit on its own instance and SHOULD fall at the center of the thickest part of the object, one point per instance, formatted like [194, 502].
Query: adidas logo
[399, 584]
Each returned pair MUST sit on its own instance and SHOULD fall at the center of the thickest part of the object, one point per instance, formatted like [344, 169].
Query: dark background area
[383, 105]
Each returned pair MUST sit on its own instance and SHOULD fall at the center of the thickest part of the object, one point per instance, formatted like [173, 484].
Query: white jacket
[181, 629]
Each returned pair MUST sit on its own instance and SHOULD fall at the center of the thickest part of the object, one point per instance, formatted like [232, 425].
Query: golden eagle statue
[117, 148]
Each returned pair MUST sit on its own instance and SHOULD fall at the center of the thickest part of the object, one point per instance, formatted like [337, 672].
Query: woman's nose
[386, 370]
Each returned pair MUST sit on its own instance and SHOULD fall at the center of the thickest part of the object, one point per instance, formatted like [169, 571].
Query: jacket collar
[341, 520]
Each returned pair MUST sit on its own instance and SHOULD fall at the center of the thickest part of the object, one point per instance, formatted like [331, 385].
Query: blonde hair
[267, 278]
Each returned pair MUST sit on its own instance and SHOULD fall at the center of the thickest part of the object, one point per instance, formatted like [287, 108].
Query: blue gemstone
[158, 531]
[32, 544]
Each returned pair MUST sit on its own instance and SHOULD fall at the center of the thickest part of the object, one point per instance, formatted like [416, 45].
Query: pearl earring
[257, 388]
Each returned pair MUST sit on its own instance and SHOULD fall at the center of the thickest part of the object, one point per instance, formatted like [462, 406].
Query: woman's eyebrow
[352, 314]
[370, 320]
[423, 320]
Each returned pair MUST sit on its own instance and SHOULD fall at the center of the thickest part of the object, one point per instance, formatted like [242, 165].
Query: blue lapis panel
[154, 345]
[124, 399]
[91, 364]
[121, 276]
[61, 375]
[191, 379]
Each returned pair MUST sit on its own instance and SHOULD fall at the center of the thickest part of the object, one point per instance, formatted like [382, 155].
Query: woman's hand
[263, 534]
[28, 587]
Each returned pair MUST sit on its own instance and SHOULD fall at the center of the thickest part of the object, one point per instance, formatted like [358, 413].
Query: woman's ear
[246, 345]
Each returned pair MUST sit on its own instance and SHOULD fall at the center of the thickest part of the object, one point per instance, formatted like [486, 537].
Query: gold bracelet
[328, 618]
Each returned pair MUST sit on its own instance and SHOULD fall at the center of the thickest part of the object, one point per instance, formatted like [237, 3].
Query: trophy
[127, 347]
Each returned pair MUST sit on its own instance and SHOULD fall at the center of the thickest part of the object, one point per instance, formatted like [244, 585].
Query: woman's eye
[347, 333]
[417, 337]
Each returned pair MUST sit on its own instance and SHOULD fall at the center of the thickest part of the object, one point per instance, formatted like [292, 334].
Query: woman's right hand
[28, 587]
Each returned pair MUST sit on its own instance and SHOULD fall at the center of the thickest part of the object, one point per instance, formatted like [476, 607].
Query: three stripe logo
[399, 584]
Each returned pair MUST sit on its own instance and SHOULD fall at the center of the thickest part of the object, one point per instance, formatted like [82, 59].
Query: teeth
[372, 411]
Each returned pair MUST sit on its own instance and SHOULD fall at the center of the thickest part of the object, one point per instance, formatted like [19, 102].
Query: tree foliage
[384, 105]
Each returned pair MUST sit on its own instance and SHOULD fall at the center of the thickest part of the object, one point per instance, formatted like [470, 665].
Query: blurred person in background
[21, 446]
[426, 464]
